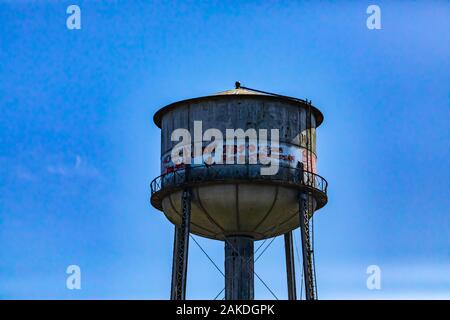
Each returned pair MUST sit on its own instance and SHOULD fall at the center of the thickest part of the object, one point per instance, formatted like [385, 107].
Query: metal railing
[231, 173]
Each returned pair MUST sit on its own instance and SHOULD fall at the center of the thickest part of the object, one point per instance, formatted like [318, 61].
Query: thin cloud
[78, 168]
[24, 174]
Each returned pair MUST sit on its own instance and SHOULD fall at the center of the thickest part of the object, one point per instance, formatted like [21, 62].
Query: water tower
[232, 199]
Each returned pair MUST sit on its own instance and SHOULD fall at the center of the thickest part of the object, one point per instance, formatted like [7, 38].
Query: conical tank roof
[239, 91]
[244, 92]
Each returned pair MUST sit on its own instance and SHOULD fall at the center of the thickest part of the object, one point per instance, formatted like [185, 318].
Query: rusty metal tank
[235, 199]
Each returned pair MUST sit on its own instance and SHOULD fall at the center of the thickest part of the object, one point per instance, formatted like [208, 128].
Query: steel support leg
[180, 252]
[290, 266]
[239, 264]
[306, 247]
[173, 285]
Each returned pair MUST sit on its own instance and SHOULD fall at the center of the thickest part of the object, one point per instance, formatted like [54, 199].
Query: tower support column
[180, 251]
[304, 206]
[239, 267]
[290, 266]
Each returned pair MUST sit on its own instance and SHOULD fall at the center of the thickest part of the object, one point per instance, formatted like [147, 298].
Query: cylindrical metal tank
[234, 199]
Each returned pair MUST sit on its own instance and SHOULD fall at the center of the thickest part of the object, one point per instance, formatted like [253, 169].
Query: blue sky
[78, 147]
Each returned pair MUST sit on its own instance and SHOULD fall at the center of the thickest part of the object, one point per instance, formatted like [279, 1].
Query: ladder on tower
[307, 249]
[306, 211]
